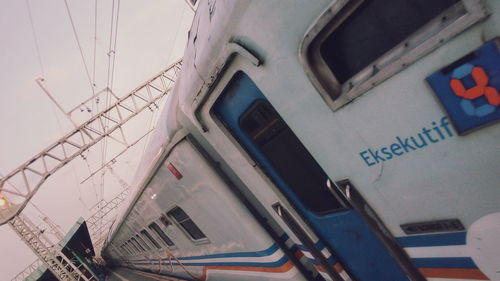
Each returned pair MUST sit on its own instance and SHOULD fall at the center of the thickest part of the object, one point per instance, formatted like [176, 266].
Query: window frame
[200, 241]
[142, 242]
[133, 246]
[150, 238]
[410, 50]
[124, 251]
[139, 247]
[159, 236]
[338, 198]
[129, 246]
[126, 248]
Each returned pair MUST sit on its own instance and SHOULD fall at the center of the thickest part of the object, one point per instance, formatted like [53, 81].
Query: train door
[253, 121]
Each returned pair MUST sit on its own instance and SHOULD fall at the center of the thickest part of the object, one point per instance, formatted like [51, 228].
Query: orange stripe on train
[283, 268]
[337, 267]
[458, 273]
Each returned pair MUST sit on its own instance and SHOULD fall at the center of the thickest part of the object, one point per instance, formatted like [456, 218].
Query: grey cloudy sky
[151, 35]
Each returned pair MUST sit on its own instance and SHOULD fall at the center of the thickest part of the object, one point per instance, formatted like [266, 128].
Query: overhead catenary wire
[176, 37]
[72, 164]
[111, 51]
[35, 37]
[113, 35]
[95, 43]
[114, 45]
[79, 47]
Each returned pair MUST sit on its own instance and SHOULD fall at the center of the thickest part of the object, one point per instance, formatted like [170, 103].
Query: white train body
[303, 141]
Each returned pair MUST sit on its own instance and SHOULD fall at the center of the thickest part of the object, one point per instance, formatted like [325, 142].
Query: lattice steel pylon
[33, 173]
[62, 268]
[100, 221]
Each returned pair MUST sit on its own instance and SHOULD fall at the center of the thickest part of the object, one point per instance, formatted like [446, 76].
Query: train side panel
[215, 240]
[430, 185]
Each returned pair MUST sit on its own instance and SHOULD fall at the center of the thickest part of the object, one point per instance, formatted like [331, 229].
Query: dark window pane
[290, 159]
[135, 245]
[150, 238]
[123, 251]
[142, 242]
[182, 218]
[193, 230]
[132, 247]
[178, 214]
[139, 246]
[127, 246]
[373, 29]
[162, 234]
[127, 250]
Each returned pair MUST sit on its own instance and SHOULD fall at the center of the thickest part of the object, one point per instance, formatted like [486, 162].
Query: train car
[326, 140]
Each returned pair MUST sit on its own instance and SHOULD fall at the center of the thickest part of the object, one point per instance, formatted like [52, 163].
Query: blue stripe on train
[433, 240]
[267, 252]
[277, 263]
[330, 260]
[444, 263]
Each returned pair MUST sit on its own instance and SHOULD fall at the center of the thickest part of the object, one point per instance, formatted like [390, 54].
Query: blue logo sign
[469, 88]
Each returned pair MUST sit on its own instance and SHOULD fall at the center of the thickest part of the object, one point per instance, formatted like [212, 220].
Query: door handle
[346, 199]
[307, 242]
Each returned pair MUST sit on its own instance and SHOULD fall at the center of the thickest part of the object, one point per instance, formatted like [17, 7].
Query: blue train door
[252, 120]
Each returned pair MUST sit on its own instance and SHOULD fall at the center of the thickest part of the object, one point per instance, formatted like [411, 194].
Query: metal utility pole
[102, 219]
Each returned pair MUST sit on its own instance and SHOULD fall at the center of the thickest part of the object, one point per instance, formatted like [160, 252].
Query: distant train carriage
[326, 140]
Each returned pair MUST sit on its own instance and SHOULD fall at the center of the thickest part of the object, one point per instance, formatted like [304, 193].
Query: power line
[110, 51]
[114, 46]
[35, 37]
[72, 164]
[95, 42]
[176, 34]
[79, 46]
[111, 68]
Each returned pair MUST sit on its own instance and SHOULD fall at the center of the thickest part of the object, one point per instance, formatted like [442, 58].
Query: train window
[186, 223]
[142, 242]
[288, 157]
[139, 247]
[124, 245]
[134, 246]
[150, 238]
[129, 248]
[359, 43]
[156, 228]
[125, 250]
[382, 24]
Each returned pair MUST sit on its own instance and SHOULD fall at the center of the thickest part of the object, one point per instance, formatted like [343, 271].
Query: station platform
[125, 274]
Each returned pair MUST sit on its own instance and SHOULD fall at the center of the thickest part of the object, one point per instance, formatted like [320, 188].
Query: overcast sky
[151, 34]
